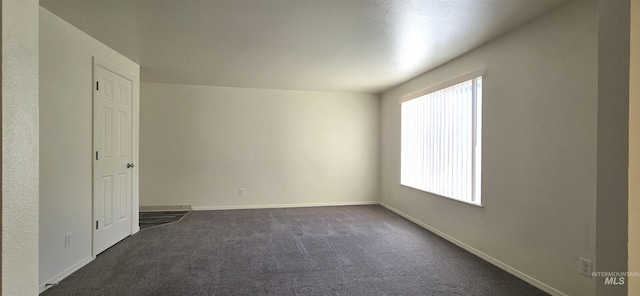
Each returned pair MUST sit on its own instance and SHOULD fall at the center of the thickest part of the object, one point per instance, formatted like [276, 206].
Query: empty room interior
[316, 148]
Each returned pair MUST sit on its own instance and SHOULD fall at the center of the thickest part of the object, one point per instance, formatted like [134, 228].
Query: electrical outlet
[241, 191]
[585, 267]
[67, 240]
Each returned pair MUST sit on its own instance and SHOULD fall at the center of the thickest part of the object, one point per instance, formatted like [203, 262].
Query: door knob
[130, 165]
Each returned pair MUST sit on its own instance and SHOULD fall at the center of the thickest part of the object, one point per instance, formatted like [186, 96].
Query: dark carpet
[153, 219]
[354, 250]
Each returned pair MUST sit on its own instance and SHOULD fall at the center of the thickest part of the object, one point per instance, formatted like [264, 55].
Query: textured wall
[200, 144]
[539, 151]
[634, 149]
[19, 147]
[613, 143]
[66, 118]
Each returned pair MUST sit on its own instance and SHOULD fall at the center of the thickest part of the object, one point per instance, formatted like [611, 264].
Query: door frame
[134, 228]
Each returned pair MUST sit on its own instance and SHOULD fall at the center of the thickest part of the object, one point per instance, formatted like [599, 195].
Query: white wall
[200, 144]
[539, 151]
[19, 198]
[66, 71]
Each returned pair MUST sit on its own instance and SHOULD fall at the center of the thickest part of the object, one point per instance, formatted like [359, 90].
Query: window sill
[444, 196]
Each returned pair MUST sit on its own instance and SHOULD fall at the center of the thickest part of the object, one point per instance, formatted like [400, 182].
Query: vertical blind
[441, 141]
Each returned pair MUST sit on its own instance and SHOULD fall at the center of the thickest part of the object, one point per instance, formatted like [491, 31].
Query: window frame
[476, 164]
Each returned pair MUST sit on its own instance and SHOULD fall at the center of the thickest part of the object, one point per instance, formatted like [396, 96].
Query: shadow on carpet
[154, 219]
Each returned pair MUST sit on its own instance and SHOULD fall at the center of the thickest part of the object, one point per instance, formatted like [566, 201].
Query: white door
[112, 159]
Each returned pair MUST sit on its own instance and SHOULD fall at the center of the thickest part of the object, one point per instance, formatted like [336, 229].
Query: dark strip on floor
[153, 219]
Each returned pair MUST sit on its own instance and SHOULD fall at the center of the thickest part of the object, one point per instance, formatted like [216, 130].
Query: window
[441, 139]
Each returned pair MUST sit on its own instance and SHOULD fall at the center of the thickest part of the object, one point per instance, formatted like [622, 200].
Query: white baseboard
[275, 206]
[165, 208]
[536, 283]
[65, 273]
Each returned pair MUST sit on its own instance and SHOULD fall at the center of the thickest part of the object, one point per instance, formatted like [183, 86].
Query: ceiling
[329, 45]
